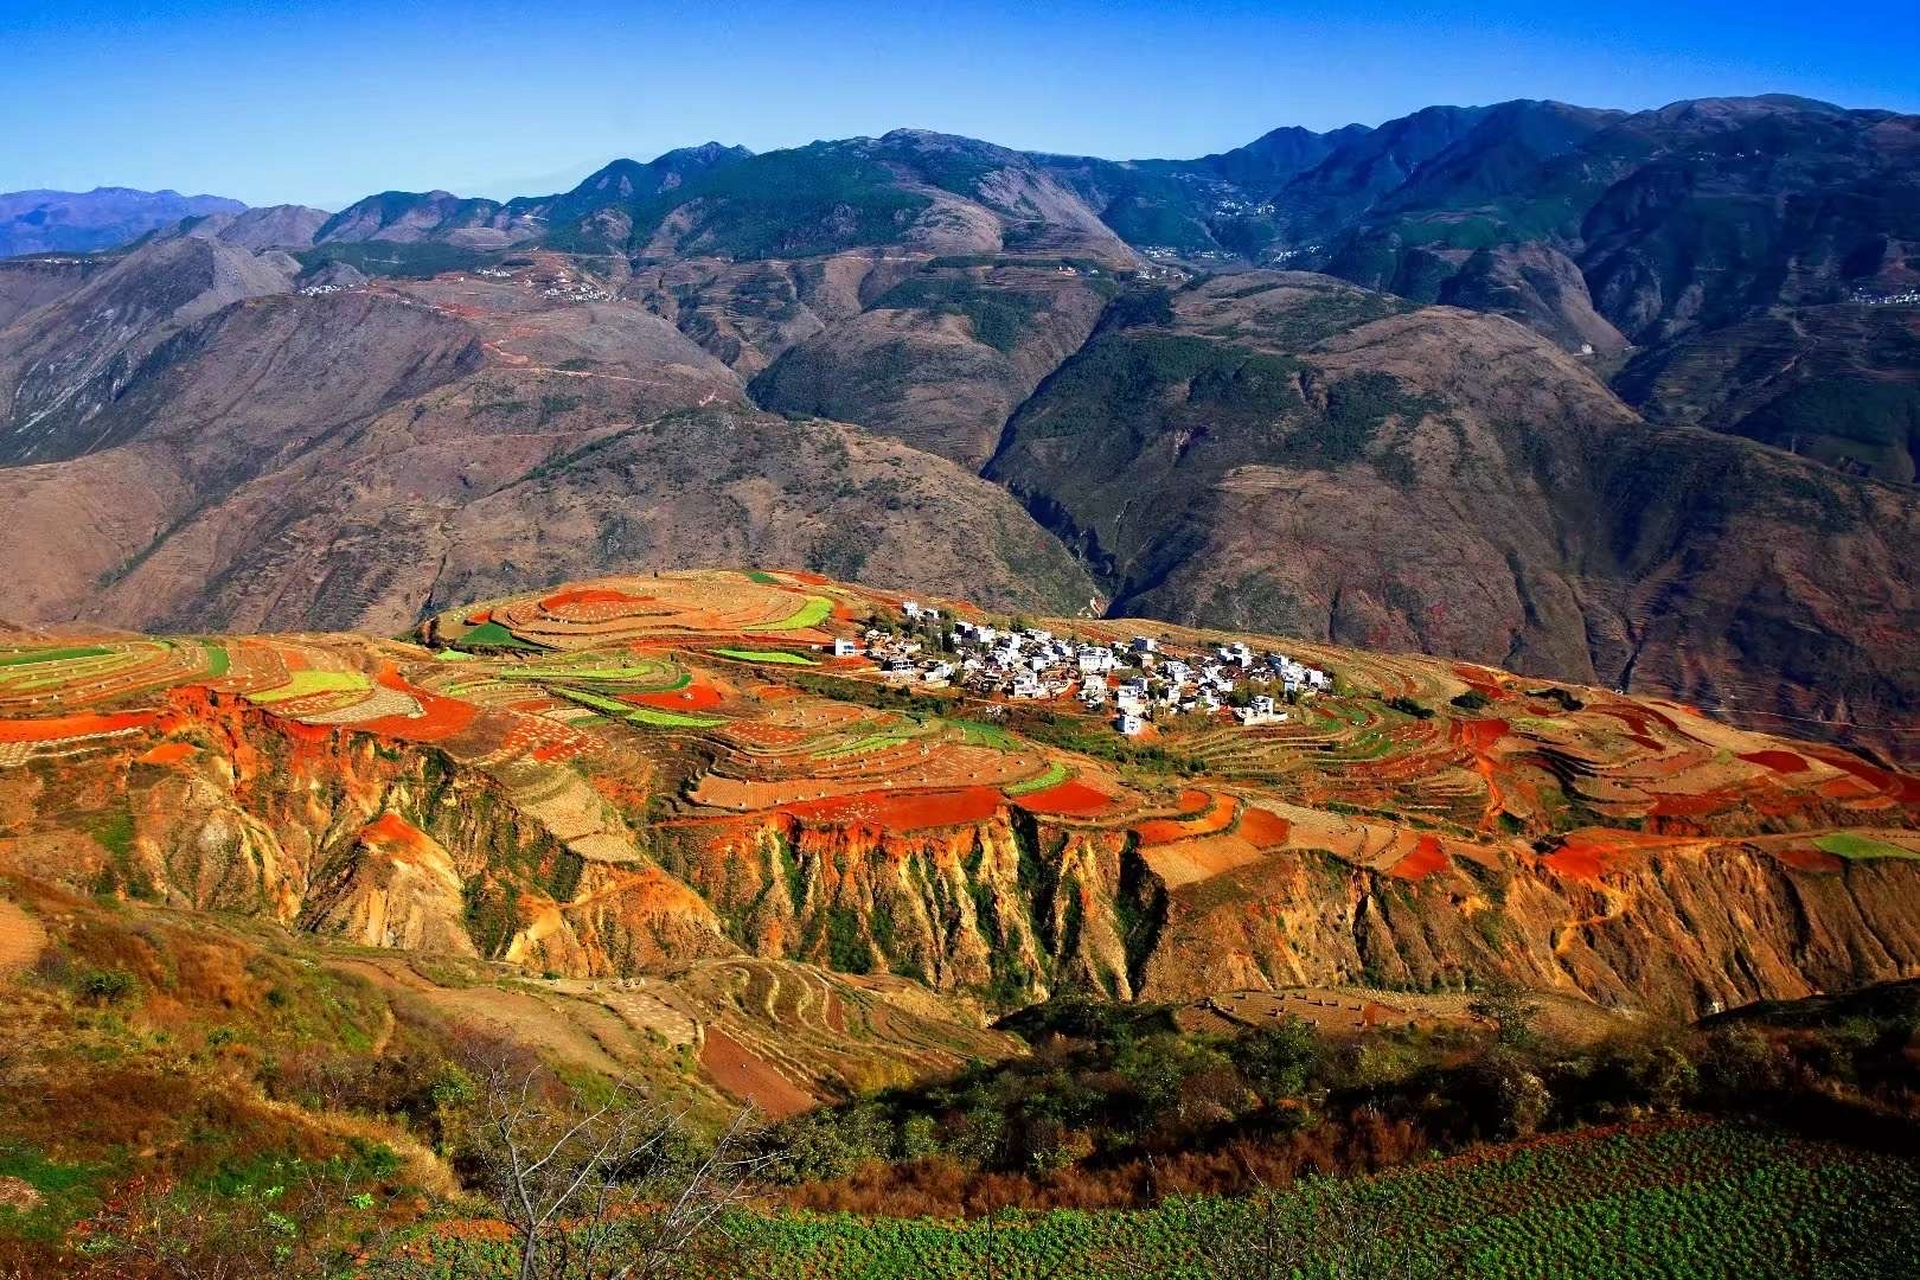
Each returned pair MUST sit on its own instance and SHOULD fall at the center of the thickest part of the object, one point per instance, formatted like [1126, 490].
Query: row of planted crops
[1679, 1199]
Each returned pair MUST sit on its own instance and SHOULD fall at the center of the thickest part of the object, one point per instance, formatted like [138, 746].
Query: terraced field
[704, 713]
[781, 1035]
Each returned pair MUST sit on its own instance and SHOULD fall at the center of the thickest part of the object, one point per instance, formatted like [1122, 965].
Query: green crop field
[766, 655]
[672, 719]
[815, 611]
[599, 702]
[975, 734]
[1860, 848]
[1694, 1199]
[492, 635]
[30, 656]
[1055, 774]
[302, 683]
[873, 741]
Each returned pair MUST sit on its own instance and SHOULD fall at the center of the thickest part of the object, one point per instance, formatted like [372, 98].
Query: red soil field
[590, 595]
[1636, 719]
[1218, 817]
[1576, 862]
[1427, 857]
[695, 697]
[1071, 798]
[1479, 679]
[1673, 806]
[811, 579]
[168, 753]
[1588, 853]
[1809, 859]
[1848, 788]
[1902, 787]
[745, 1076]
[1778, 761]
[442, 718]
[79, 724]
[909, 812]
[766, 735]
[1478, 735]
[1264, 830]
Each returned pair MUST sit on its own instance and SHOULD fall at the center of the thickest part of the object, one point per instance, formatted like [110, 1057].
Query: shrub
[1278, 1061]
[105, 986]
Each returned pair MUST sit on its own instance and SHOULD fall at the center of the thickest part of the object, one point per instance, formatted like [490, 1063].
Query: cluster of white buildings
[1906, 298]
[576, 290]
[900, 657]
[1137, 680]
[1025, 665]
[1280, 257]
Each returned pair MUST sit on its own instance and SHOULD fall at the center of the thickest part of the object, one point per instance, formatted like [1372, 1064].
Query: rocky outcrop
[382, 844]
[1006, 908]
[1675, 934]
[224, 807]
[396, 887]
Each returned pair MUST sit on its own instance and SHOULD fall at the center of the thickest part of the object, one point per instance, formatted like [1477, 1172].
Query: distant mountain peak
[707, 151]
[43, 221]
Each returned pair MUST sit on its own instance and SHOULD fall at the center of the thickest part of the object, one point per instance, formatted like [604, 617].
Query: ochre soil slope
[670, 775]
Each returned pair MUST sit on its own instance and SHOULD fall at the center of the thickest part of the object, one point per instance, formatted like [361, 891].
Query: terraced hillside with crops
[661, 774]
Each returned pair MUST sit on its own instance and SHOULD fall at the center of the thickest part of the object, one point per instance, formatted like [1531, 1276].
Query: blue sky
[323, 103]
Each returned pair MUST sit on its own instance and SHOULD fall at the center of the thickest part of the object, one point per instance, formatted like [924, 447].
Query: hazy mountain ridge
[86, 221]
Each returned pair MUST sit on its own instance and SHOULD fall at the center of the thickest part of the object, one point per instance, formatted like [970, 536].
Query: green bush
[106, 986]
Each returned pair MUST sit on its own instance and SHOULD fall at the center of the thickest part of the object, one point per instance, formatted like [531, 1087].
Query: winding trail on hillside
[21, 939]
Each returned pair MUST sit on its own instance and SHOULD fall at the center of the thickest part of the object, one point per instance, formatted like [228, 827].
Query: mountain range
[1628, 398]
[85, 221]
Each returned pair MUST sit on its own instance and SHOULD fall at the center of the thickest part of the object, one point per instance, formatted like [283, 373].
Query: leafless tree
[152, 1232]
[606, 1190]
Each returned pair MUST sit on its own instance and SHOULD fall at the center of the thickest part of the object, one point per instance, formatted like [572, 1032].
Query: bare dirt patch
[743, 1075]
[18, 1195]
[21, 939]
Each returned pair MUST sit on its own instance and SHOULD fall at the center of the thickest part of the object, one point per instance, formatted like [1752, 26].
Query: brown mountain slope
[313, 458]
[30, 283]
[1840, 384]
[64, 363]
[1284, 452]
[821, 494]
[748, 313]
[280, 226]
[942, 359]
